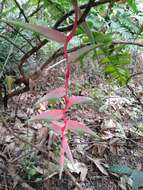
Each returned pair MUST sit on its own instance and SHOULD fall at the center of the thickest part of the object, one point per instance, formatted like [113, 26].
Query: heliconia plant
[59, 122]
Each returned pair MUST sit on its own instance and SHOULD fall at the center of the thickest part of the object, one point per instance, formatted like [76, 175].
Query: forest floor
[112, 160]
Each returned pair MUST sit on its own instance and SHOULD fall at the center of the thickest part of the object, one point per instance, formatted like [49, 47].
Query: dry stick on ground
[5, 124]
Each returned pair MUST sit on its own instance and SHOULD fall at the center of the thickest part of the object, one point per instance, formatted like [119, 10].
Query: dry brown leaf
[109, 124]
[99, 149]
[79, 168]
[98, 164]
[83, 172]
[43, 135]
[107, 135]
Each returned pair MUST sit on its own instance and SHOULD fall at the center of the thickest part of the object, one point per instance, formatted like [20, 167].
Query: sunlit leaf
[49, 115]
[53, 94]
[76, 54]
[43, 30]
[10, 82]
[133, 5]
[75, 125]
[78, 100]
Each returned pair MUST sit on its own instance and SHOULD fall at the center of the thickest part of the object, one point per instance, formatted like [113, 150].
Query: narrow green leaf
[132, 4]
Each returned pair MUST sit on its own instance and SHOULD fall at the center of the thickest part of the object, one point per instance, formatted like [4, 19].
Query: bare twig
[36, 10]
[21, 10]
[20, 34]
[57, 24]
[64, 17]
[11, 42]
[116, 42]
[82, 18]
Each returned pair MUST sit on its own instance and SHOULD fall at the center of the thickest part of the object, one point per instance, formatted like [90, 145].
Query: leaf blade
[78, 100]
[53, 94]
[47, 32]
[49, 115]
[74, 125]
[76, 54]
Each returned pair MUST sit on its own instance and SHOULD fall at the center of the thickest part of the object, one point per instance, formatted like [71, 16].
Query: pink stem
[67, 78]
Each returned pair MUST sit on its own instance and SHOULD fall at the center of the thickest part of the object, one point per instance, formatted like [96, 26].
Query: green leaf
[102, 38]
[132, 4]
[137, 177]
[120, 169]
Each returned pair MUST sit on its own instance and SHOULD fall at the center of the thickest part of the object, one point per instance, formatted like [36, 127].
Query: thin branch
[116, 42]
[82, 18]
[89, 6]
[42, 43]
[28, 54]
[21, 10]
[55, 55]
[20, 34]
[36, 10]
[11, 42]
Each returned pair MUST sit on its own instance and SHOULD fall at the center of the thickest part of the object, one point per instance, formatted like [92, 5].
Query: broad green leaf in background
[120, 169]
[137, 178]
[135, 175]
[102, 38]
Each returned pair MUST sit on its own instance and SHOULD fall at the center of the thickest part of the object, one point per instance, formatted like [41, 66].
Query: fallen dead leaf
[79, 168]
[98, 164]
